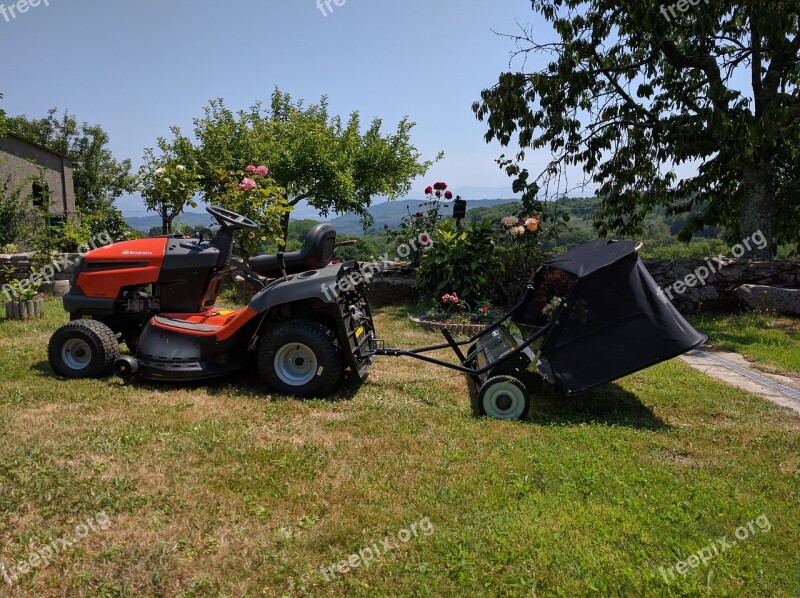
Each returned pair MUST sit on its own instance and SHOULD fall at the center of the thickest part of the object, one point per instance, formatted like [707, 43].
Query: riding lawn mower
[158, 296]
[311, 320]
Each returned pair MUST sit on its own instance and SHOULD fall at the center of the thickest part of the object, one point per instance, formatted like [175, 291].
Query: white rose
[160, 171]
[180, 168]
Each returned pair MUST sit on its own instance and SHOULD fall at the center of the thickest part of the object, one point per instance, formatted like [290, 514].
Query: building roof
[41, 147]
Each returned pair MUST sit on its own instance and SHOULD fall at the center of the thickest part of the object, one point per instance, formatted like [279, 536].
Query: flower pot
[433, 324]
[25, 309]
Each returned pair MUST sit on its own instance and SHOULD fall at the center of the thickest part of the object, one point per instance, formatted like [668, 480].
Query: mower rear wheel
[83, 349]
[504, 397]
[300, 358]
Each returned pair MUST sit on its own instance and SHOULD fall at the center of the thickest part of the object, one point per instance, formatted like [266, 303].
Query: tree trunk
[757, 215]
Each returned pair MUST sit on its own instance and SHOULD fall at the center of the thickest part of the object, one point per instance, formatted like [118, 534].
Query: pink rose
[247, 184]
[250, 168]
[262, 171]
[484, 310]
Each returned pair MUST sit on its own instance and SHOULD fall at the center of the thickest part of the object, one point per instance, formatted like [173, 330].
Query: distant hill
[392, 212]
[145, 223]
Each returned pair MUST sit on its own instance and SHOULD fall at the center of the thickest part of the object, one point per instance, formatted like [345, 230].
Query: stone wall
[675, 276]
[61, 268]
[396, 284]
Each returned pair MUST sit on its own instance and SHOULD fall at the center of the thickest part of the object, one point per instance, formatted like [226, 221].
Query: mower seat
[316, 252]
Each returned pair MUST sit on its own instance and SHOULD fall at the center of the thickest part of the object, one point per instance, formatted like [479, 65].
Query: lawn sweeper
[589, 316]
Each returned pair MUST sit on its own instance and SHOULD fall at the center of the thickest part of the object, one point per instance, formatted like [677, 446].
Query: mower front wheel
[300, 358]
[83, 349]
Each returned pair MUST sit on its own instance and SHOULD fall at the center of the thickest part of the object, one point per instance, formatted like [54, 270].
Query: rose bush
[252, 193]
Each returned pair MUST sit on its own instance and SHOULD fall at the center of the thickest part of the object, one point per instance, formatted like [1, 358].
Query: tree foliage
[631, 90]
[168, 181]
[312, 154]
[3, 120]
[98, 179]
[259, 198]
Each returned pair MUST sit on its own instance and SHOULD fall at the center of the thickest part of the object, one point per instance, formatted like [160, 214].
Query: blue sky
[138, 67]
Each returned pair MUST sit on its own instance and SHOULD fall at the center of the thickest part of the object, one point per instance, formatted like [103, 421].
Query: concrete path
[733, 369]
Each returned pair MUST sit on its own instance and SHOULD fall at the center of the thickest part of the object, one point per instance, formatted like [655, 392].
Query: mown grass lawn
[223, 490]
[769, 340]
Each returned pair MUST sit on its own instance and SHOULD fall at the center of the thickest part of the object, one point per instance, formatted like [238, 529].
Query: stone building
[49, 174]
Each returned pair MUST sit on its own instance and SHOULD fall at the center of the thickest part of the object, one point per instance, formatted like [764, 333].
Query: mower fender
[314, 284]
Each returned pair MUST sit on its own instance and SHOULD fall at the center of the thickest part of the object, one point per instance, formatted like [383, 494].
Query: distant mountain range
[390, 212]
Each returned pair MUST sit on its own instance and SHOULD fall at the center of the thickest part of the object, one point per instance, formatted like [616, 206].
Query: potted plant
[455, 315]
[26, 303]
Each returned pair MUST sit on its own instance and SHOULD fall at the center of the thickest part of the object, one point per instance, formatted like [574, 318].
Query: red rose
[448, 195]
[420, 215]
[428, 190]
[440, 186]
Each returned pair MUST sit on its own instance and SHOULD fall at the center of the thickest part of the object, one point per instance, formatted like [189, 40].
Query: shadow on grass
[43, 367]
[242, 384]
[609, 405]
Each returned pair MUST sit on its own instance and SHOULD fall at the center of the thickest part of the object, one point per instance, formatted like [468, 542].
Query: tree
[254, 194]
[99, 178]
[631, 90]
[314, 156]
[3, 120]
[169, 182]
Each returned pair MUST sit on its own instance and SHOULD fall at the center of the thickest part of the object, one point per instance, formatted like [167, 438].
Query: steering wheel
[230, 220]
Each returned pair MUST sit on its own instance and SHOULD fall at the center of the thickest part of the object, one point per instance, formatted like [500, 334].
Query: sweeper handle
[463, 368]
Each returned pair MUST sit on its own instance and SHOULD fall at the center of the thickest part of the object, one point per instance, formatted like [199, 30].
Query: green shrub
[73, 234]
[364, 251]
[463, 260]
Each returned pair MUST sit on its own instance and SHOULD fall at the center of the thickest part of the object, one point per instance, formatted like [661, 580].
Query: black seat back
[317, 252]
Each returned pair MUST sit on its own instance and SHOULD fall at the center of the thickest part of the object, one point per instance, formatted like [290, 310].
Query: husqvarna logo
[128, 252]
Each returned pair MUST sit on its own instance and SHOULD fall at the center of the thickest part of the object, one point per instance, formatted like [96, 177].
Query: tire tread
[100, 334]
